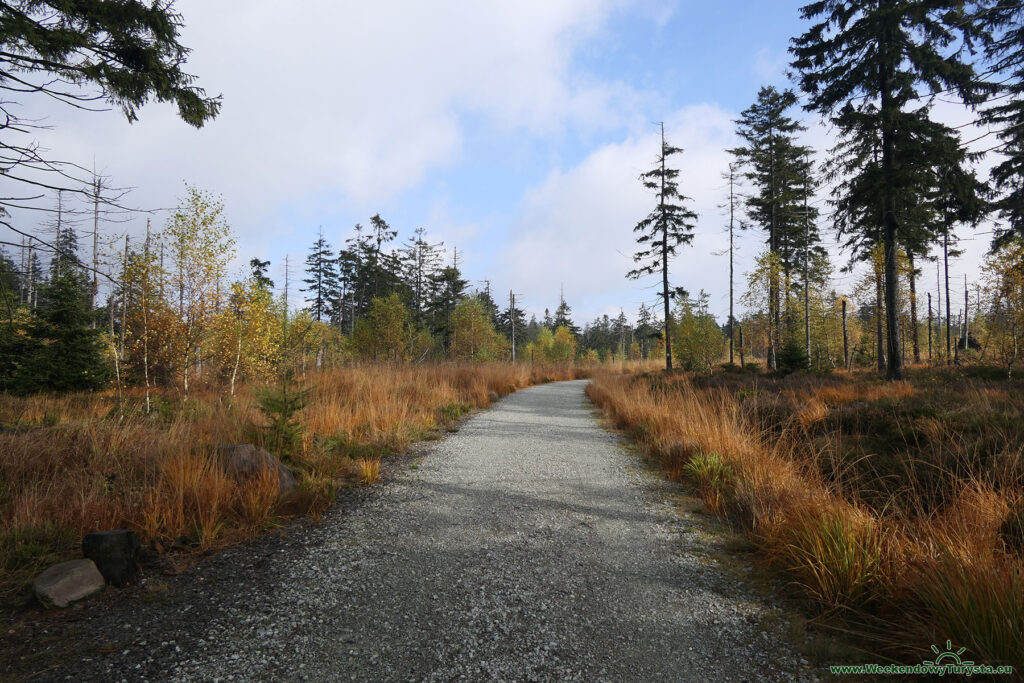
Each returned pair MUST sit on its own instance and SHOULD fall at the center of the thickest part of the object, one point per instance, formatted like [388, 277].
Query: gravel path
[528, 546]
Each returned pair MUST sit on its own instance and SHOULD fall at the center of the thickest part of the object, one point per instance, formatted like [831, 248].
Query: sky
[513, 132]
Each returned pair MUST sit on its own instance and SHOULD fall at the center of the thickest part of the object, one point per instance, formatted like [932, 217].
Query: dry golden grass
[369, 469]
[926, 546]
[74, 464]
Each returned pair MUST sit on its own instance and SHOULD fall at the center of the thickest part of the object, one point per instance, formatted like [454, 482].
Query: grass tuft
[714, 480]
[882, 503]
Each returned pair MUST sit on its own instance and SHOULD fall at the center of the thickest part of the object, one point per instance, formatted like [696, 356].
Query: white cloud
[359, 101]
[770, 66]
[575, 228]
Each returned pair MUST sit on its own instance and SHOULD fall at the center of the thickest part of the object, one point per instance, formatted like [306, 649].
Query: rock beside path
[68, 582]
[244, 460]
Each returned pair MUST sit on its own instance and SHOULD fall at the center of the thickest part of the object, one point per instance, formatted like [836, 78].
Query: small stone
[64, 583]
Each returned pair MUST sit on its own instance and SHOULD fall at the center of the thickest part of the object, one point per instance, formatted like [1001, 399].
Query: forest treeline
[174, 318]
[898, 183]
[895, 189]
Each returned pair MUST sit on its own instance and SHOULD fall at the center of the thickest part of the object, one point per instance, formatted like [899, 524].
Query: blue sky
[513, 131]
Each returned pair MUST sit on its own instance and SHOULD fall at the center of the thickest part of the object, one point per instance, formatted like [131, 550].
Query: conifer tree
[563, 317]
[384, 266]
[446, 289]
[348, 281]
[1005, 21]
[321, 280]
[513, 317]
[669, 225]
[487, 301]
[62, 351]
[646, 330]
[874, 59]
[125, 53]
[259, 274]
[778, 168]
[420, 259]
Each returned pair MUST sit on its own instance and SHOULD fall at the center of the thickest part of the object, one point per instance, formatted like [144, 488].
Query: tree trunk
[929, 325]
[945, 260]
[879, 335]
[846, 340]
[664, 259]
[914, 337]
[888, 109]
[732, 319]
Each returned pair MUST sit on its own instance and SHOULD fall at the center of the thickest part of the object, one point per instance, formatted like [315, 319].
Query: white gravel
[528, 546]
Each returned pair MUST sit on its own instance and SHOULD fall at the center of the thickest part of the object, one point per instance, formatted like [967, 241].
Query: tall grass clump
[78, 463]
[880, 503]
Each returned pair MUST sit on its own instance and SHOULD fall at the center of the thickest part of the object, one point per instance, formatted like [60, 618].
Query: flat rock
[244, 460]
[115, 554]
[67, 582]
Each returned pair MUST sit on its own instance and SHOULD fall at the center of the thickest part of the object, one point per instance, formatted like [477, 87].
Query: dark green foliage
[563, 317]
[366, 271]
[282, 432]
[777, 167]
[792, 357]
[866, 65]
[58, 350]
[321, 280]
[1005, 50]
[647, 330]
[607, 336]
[445, 288]
[485, 299]
[127, 48]
[513, 316]
[420, 259]
[259, 274]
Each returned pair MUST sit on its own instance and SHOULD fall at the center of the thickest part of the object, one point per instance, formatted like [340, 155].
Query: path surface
[528, 546]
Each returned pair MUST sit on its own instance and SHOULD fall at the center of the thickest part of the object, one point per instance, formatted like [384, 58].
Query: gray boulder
[116, 554]
[64, 583]
[244, 460]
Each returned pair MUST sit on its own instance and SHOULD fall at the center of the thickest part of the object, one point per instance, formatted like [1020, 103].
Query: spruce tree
[385, 267]
[877, 58]
[321, 280]
[669, 225]
[563, 317]
[646, 330]
[420, 259]
[446, 289]
[348, 266]
[485, 299]
[62, 352]
[259, 274]
[1004, 20]
[778, 168]
[509, 317]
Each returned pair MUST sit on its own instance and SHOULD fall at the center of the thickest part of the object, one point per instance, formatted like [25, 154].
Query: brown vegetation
[78, 463]
[892, 508]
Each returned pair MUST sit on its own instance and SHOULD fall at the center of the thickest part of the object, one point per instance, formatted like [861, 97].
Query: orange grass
[924, 552]
[74, 464]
